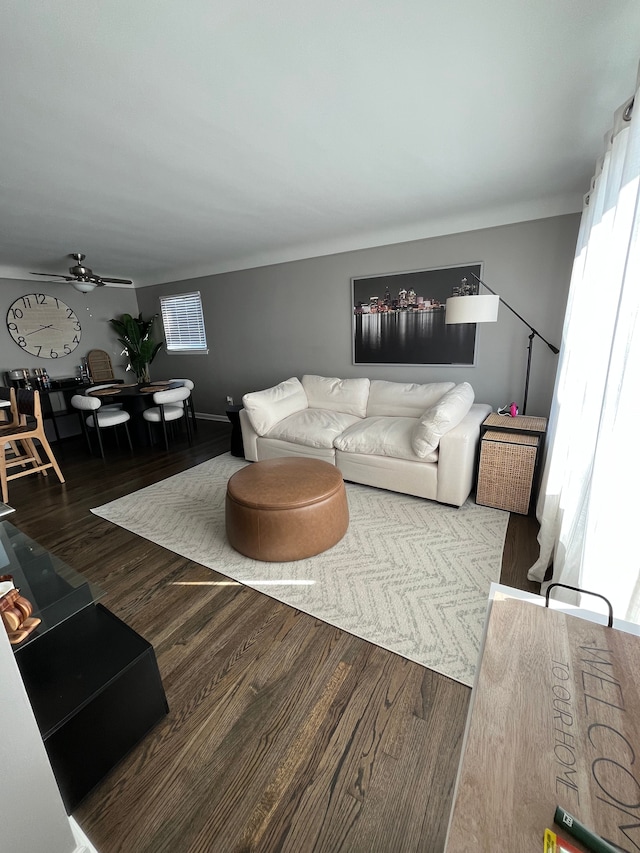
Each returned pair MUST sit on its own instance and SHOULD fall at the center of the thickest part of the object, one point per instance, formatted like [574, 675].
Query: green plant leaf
[135, 337]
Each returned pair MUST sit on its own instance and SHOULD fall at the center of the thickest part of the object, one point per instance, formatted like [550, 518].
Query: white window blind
[184, 323]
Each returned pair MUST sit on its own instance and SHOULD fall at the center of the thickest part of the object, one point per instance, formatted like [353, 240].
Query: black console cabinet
[95, 690]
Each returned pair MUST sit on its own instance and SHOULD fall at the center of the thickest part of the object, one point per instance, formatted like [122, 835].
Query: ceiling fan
[83, 278]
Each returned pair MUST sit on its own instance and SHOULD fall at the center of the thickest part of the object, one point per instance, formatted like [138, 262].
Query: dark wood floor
[284, 733]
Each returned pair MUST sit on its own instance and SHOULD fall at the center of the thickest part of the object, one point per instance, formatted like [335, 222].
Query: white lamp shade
[83, 286]
[472, 309]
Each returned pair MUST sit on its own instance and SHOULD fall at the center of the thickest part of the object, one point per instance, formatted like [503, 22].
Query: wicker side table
[522, 424]
[510, 451]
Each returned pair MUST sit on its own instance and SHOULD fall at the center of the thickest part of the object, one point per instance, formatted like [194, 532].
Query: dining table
[135, 397]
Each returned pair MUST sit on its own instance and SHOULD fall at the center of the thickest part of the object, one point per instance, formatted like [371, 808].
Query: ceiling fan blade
[54, 275]
[84, 275]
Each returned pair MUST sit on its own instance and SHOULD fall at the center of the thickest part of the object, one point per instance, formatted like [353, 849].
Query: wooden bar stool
[9, 416]
[24, 436]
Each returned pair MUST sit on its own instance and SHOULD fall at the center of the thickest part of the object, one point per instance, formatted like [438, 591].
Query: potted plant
[139, 347]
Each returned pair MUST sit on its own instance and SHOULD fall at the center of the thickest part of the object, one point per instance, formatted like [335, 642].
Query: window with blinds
[184, 323]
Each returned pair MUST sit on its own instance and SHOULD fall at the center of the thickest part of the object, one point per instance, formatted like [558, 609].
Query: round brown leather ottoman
[286, 509]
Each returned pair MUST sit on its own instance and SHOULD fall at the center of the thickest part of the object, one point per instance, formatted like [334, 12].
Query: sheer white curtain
[589, 504]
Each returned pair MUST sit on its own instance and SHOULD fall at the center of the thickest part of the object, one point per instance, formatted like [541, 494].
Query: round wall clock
[43, 325]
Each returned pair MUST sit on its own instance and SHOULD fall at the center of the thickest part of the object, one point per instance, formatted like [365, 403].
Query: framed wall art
[399, 318]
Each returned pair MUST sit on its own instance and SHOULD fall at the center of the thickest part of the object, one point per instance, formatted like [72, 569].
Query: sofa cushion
[382, 437]
[337, 395]
[404, 399]
[312, 427]
[439, 419]
[266, 408]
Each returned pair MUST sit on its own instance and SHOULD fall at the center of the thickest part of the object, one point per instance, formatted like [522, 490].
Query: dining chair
[166, 411]
[100, 367]
[29, 429]
[99, 419]
[188, 383]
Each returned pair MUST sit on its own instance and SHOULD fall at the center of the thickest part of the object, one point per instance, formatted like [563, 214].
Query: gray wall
[269, 323]
[93, 309]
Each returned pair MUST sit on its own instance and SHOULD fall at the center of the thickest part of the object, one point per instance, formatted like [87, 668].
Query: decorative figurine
[16, 611]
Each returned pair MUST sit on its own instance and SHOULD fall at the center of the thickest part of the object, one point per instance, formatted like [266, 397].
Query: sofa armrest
[457, 456]
[249, 437]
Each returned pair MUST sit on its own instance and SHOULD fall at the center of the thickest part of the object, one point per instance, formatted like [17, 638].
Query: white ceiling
[170, 139]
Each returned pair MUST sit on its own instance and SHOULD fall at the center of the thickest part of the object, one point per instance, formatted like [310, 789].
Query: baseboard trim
[201, 416]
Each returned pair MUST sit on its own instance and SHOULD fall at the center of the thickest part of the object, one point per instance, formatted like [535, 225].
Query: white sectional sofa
[417, 439]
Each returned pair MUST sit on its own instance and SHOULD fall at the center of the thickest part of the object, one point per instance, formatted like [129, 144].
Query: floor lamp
[471, 307]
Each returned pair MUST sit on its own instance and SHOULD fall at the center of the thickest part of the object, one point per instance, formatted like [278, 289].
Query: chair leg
[99, 434]
[187, 422]
[85, 431]
[126, 429]
[3, 474]
[42, 438]
[27, 457]
[164, 428]
[16, 451]
[192, 409]
[21, 455]
[35, 456]
[150, 433]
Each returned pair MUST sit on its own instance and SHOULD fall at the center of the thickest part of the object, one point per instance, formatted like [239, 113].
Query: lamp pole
[534, 333]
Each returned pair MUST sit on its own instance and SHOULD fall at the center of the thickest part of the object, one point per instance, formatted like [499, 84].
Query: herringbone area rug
[410, 575]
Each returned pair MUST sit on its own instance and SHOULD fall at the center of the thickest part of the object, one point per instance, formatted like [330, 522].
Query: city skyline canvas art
[399, 318]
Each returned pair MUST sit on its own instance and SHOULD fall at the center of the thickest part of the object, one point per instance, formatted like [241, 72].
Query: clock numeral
[12, 327]
[17, 314]
[39, 348]
[21, 341]
[67, 349]
[70, 313]
[76, 340]
[26, 302]
[41, 298]
[76, 327]
[53, 354]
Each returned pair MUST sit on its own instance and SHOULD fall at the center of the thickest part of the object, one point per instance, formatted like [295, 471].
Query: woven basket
[505, 474]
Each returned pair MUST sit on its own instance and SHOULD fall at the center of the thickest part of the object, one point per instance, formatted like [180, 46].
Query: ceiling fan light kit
[83, 278]
[84, 286]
